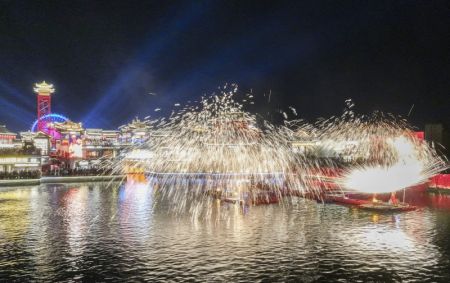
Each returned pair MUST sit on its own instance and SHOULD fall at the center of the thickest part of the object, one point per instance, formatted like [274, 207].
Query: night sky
[105, 57]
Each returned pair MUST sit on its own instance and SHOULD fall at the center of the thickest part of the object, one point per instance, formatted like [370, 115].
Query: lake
[100, 232]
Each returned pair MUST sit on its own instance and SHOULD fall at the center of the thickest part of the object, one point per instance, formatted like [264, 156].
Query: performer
[393, 199]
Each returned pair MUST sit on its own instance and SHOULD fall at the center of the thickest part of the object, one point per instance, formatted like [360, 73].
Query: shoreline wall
[56, 180]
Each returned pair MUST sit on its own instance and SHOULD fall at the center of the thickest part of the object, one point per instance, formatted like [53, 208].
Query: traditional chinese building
[41, 141]
[304, 142]
[69, 148]
[135, 132]
[7, 138]
[98, 143]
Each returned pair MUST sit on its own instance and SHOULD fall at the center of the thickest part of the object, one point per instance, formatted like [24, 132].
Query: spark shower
[215, 147]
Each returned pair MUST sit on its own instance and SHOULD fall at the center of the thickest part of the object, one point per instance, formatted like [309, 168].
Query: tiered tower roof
[44, 88]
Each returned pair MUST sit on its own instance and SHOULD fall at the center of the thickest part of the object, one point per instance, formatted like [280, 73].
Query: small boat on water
[343, 199]
[254, 200]
[232, 200]
[374, 204]
[387, 207]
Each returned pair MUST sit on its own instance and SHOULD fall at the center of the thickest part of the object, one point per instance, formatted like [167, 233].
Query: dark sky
[104, 57]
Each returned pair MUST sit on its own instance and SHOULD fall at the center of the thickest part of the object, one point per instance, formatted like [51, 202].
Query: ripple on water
[85, 233]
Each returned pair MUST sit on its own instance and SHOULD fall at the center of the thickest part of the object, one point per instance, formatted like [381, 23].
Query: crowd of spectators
[13, 175]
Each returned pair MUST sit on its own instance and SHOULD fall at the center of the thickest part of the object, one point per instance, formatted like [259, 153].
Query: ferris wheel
[48, 120]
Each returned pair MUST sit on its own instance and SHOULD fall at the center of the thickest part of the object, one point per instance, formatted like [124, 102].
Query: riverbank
[56, 180]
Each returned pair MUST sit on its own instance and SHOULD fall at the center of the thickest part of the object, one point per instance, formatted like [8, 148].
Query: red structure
[441, 181]
[44, 92]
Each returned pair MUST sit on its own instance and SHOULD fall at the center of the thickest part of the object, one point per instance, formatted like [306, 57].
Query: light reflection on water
[98, 232]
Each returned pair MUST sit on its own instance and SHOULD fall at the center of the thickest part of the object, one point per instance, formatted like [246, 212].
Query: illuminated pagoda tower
[44, 93]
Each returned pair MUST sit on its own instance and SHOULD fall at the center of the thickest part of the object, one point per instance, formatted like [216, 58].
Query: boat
[342, 199]
[387, 207]
[268, 198]
[232, 200]
[258, 200]
[373, 204]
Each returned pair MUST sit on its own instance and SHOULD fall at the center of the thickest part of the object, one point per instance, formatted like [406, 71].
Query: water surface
[88, 232]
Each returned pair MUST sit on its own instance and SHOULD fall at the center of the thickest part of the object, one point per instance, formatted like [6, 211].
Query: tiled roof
[4, 130]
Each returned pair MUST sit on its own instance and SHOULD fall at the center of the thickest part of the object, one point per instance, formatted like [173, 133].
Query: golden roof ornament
[69, 126]
[43, 88]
